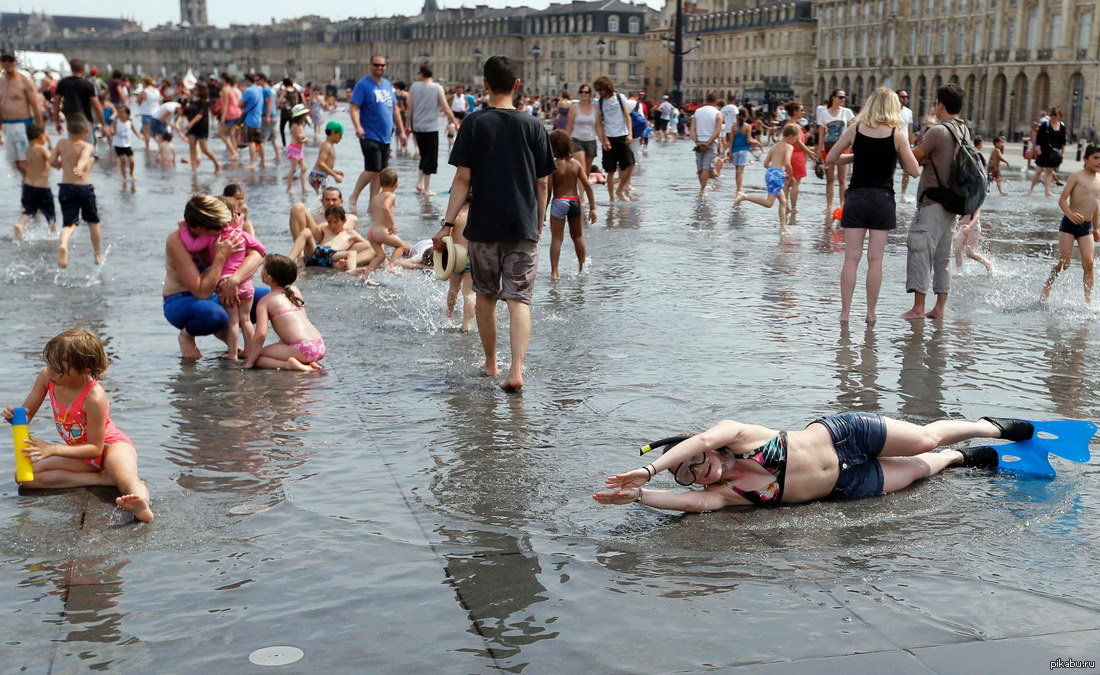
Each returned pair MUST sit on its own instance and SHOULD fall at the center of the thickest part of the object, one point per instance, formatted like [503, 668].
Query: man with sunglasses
[907, 115]
[374, 114]
[18, 108]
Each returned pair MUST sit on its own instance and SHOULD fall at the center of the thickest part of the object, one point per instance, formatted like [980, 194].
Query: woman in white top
[832, 121]
[459, 105]
[149, 99]
[581, 127]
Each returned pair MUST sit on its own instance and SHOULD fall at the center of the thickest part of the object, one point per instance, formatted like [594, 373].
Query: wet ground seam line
[424, 533]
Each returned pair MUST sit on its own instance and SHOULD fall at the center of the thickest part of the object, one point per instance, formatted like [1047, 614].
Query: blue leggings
[202, 317]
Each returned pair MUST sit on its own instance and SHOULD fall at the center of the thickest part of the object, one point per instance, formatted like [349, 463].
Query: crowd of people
[517, 158]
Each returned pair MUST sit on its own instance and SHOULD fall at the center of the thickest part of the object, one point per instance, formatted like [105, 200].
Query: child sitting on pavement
[300, 345]
[337, 241]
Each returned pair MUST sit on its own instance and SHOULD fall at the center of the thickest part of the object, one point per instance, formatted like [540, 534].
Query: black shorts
[38, 200]
[376, 156]
[619, 156]
[660, 125]
[459, 115]
[76, 201]
[428, 144]
[124, 152]
[870, 208]
[253, 135]
[1067, 226]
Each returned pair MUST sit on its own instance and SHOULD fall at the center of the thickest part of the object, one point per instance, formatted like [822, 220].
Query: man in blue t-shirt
[374, 114]
[252, 110]
[504, 156]
[270, 116]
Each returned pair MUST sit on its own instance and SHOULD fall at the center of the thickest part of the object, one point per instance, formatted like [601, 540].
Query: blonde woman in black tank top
[879, 140]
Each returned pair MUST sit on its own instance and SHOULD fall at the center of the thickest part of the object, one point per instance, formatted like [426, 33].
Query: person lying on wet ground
[850, 455]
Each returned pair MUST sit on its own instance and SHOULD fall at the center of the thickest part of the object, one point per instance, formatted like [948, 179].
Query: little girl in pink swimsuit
[294, 149]
[300, 346]
[242, 322]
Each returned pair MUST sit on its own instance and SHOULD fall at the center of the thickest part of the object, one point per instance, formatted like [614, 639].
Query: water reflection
[1068, 369]
[923, 362]
[857, 371]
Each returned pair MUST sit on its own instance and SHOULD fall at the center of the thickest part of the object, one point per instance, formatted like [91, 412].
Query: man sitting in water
[845, 456]
[301, 218]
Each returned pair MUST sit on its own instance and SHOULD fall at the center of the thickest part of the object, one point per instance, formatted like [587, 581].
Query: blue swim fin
[1068, 439]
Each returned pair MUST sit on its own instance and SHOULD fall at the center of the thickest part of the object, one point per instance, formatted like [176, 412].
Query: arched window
[613, 23]
[635, 25]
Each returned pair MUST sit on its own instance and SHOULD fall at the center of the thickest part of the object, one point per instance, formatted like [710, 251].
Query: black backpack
[965, 190]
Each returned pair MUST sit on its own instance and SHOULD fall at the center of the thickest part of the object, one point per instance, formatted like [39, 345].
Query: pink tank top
[72, 422]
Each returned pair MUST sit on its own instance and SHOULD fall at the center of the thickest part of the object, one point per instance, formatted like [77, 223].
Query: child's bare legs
[244, 319]
[576, 232]
[853, 253]
[465, 284]
[290, 177]
[1000, 188]
[1087, 249]
[742, 197]
[304, 244]
[281, 355]
[378, 256]
[350, 258]
[120, 464]
[782, 211]
[1065, 251]
[301, 173]
[64, 472]
[63, 245]
[968, 242]
[830, 179]
[94, 233]
[557, 235]
[232, 339]
[20, 224]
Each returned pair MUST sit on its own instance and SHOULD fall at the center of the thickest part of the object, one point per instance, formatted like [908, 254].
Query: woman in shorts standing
[740, 144]
[581, 127]
[878, 139]
[832, 121]
[197, 114]
[149, 99]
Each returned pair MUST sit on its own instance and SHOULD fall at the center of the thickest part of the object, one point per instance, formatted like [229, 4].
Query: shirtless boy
[324, 167]
[566, 203]
[383, 227]
[73, 155]
[778, 164]
[337, 242]
[18, 108]
[1081, 215]
[995, 161]
[37, 196]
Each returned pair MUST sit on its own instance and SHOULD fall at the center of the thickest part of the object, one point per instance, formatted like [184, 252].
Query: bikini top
[773, 457]
[286, 311]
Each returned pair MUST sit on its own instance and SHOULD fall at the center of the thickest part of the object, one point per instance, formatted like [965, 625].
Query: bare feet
[490, 369]
[844, 317]
[914, 314]
[870, 318]
[62, 257]
[98, 258]
[739, 198]
[294, 364]
[553, 276]
[137, 506]
[936, 313]
[231, 356]
[188, 348]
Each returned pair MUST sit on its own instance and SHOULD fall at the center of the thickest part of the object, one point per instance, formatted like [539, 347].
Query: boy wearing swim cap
[325, 165]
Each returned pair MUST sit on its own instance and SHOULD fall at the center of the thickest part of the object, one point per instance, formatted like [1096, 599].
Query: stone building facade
[759, 50]
[1014, 58]
[454, 41]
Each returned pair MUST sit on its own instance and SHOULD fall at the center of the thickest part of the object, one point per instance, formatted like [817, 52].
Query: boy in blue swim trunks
[778, 168]
[324, 167]
[37, 196]
[338, 242]
[1079, 206]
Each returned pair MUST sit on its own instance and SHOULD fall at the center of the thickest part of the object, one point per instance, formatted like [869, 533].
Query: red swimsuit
[72, 424]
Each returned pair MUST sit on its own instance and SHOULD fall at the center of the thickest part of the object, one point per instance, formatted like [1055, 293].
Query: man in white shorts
[18, 108]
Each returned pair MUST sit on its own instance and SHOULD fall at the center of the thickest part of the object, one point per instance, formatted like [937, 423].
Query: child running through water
[300, 345]
[120, 140]
[240, 319]
[298, 117]
[566, 203]
[324, 167]
[95, 451]
[73, 155]
[383, 227]
[1081, 214]
[778, 163]
[996, 158]
[970, 230]
[37, 196]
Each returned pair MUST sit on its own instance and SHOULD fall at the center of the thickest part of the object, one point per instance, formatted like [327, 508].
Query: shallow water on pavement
[400, 512]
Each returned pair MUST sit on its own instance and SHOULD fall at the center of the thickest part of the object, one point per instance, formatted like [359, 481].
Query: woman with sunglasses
[832, 121]
[845, 456]
[581, 127]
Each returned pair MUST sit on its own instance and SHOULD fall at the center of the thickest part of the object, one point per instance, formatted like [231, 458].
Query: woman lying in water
[845, 456]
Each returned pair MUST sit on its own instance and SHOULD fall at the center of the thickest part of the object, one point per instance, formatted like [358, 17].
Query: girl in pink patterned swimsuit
[300, 346]
[241, 324]
[294, 149]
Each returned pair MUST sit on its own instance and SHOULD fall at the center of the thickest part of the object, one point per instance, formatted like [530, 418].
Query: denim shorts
[870, 208]
[740, 157]
[858, 439]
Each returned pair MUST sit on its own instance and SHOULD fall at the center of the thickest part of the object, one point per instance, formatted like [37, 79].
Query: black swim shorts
[77, 200]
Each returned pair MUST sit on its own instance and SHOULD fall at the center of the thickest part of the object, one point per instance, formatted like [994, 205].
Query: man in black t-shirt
[503, 155]
[77, 95]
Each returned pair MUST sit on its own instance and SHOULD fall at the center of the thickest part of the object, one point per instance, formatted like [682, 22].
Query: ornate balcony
[1023, 54]
[937, 59]
[886, 62]
[834, 63]
[860, 62]
[1046, 55]
[1000, 55]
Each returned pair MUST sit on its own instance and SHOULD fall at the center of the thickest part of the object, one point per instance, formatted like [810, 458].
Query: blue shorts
[148, 120]
[157, 127]
[321, 256]
[202, 317]
[774, 179]
[1082, 230]
[740, 157]
[858, 439]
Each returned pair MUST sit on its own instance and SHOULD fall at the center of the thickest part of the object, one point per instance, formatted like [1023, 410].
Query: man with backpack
[613, 125]
[952, 183]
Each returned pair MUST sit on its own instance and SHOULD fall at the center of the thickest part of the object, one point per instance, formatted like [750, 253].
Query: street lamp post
[678, 52]
[601, 45]
[535, 51]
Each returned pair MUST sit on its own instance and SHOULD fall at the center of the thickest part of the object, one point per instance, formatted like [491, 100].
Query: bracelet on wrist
[639, 497]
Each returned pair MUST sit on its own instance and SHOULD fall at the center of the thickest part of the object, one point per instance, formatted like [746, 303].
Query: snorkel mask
[683, 473]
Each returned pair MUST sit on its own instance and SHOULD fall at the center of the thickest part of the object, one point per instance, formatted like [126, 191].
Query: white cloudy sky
[224, 12]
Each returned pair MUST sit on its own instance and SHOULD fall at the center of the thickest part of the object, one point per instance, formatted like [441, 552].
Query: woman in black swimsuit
[845, 456]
